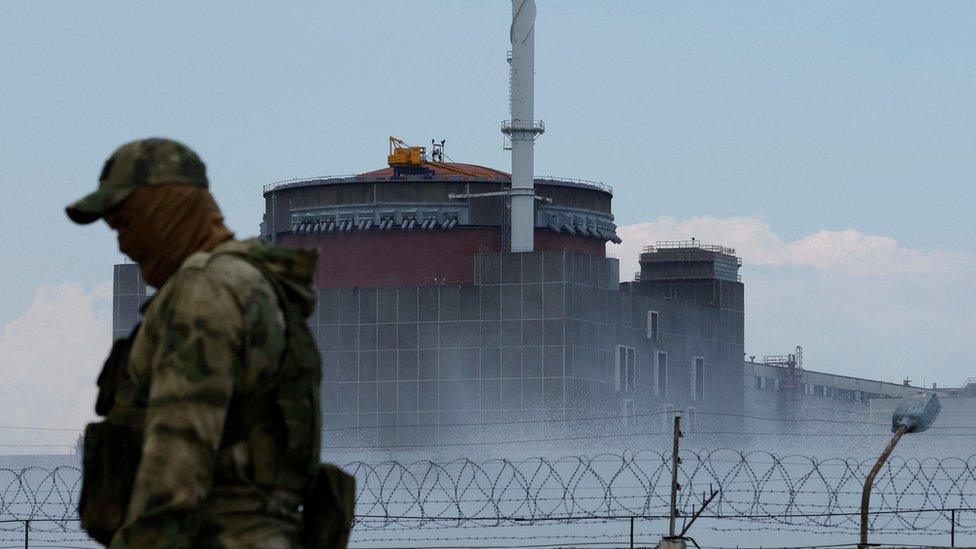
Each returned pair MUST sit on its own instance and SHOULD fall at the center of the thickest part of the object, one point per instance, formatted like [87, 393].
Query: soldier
[212, 420]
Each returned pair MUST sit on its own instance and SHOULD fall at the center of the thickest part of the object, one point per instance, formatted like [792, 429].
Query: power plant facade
[430, 326]
[452, 296]
[456, 301]
[387, 229]
[433, 332]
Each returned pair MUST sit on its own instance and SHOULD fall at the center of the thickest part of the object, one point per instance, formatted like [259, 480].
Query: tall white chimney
[522, 128]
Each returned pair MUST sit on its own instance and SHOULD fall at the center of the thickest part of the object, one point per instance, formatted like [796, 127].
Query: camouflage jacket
[214, 332]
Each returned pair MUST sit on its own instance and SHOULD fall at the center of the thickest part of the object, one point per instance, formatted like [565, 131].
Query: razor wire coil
[758, 487]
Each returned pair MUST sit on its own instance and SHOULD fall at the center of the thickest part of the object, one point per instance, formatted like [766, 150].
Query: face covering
[160, 226]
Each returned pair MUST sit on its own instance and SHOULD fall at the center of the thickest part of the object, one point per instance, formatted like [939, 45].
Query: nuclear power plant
[457, 300]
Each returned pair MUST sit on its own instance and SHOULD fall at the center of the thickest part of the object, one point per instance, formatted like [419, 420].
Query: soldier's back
[212, 343]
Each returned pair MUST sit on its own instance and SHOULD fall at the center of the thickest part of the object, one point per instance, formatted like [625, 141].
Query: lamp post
[915, 413]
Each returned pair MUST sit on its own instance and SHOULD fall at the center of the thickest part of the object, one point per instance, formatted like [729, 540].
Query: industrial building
[429, 327]
[456, 301]
[426, 321]
[456, 298]
[129, 292]
[778, 386]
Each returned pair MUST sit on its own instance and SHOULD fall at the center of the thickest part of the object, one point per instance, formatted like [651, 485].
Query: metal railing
[302, 181]
[360, 178]
[534, 126]
[680, 244]
[577, 182]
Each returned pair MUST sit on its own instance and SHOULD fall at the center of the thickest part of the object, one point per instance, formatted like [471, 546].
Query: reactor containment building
[429, 325]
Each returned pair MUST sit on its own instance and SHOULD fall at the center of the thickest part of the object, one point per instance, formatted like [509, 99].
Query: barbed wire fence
[910, 495]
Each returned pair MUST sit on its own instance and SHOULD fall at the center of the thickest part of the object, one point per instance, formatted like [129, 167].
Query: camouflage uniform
[213, 330]
[213, 470]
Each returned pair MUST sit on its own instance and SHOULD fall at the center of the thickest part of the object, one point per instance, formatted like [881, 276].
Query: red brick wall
[376, 259]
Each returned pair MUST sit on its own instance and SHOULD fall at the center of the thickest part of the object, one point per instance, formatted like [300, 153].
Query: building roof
[449, 170]
[443, 171]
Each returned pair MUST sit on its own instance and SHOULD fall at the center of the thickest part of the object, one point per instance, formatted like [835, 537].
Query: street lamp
[915, 413]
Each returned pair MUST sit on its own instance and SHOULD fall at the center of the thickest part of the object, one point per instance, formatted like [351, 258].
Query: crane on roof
[402, 154]
[412, 160]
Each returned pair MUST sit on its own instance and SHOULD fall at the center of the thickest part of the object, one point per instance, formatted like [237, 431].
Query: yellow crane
[402, 154]
[412, 160]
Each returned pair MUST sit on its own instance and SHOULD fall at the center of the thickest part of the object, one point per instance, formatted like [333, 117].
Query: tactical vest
[291, 404]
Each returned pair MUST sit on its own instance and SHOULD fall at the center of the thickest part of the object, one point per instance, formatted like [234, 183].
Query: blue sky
[801, 116]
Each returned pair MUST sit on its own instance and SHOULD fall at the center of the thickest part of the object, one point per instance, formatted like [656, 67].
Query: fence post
[675, 462]
[26, 534]
[952, 530]
[631, 532]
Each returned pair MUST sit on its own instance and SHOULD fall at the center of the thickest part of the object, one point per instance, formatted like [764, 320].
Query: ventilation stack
[522, 129]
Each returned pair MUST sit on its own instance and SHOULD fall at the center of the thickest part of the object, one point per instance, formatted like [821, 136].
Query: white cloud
[860, 304]
[848, 252]
[859, 254]
[49, 359]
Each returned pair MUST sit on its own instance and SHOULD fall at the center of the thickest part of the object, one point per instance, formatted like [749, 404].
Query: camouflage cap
[153, 161]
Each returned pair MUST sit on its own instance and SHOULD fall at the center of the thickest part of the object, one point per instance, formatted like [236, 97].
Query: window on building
[776, 385]
[762, 382]
[653, 325]
[661, 374]
[698, 379]
[625, 376]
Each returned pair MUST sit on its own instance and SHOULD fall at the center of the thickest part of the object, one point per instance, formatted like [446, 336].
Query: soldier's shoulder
[227, 265]
[195, 286]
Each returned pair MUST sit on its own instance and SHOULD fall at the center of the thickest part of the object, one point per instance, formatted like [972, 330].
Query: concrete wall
[129, 292]
[534, 338]
[486, 211]
[817, 395]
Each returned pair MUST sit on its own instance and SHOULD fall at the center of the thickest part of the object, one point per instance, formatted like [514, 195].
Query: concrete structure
[425, 321]
[775, 391]
[378, 230]
[453, 296]
[429, 329]
[129, 292]
[538, 335]
[546, 337]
